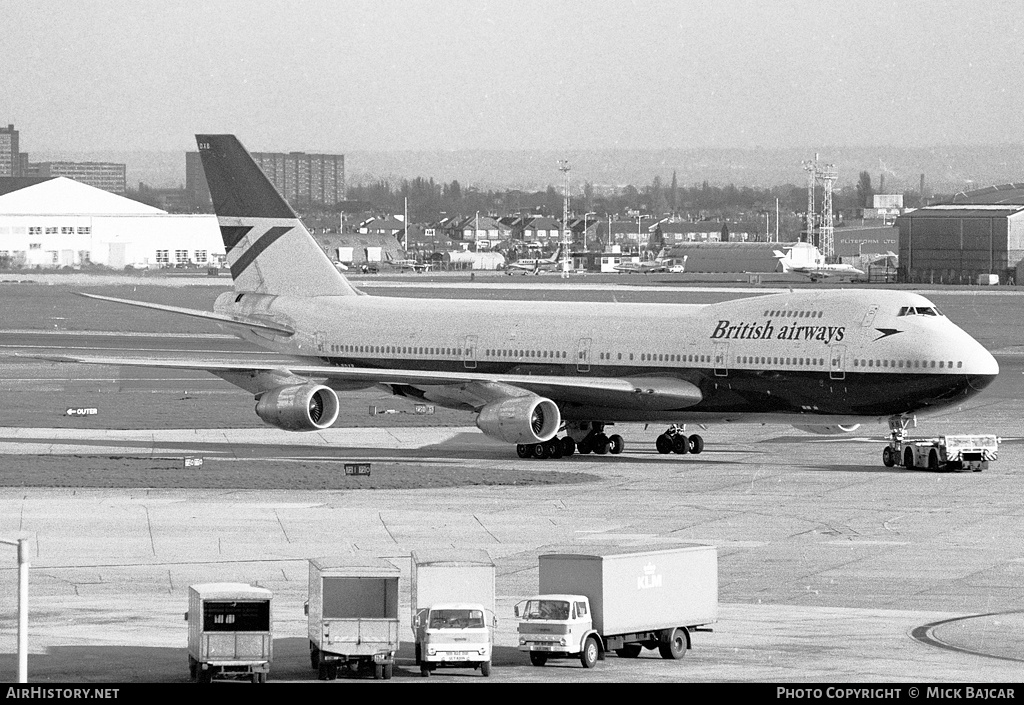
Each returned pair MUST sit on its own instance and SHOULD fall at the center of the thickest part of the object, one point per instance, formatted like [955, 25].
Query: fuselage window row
[793, 314]
[918, 364]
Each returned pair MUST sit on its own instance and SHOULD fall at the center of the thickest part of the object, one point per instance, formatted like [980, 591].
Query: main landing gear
[675, 440]
[587, 437]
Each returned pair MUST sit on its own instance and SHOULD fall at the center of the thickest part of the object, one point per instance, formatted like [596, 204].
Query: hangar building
[977, 233]
[63, 223]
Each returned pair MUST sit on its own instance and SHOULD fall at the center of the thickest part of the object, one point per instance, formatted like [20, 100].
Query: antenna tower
[827, 175]
[563, 166]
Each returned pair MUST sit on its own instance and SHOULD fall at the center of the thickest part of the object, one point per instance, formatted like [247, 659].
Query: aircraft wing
[655, 393]
[248, 323]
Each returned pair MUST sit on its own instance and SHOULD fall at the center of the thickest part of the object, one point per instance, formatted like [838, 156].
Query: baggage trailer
[452, 602]
[229, 632]
[352, 616]
[621, 600]
[960, 453]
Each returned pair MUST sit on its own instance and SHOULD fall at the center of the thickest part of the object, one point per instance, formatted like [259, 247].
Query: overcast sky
[343, 75]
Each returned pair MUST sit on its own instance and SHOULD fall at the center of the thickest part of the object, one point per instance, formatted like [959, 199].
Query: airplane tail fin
[268, 248]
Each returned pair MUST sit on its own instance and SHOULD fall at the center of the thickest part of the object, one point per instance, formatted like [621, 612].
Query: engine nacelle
[830, 429]
[527, 419]
[302, 407]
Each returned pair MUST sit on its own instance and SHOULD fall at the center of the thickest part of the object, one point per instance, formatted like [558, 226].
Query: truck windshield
[547, 609]
[456, 619]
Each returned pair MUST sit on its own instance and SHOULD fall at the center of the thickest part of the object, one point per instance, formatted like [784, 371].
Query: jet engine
[526, 419]
[302, 407]
[830, 429]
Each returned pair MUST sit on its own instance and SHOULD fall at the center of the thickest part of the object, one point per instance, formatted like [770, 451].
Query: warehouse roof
[63, 196]
[1007, 194]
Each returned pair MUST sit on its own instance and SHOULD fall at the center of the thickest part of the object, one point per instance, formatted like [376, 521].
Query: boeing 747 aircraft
[551, 377]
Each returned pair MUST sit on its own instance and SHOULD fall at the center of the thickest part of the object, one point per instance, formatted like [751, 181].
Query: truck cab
[558, 626]
[454, 634]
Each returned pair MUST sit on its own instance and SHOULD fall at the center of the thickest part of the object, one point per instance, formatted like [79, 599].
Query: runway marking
[926, 635]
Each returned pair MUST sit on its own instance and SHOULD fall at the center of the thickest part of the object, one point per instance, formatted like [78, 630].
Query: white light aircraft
[817, 271]
[658, 264]
[550, 377]
[536, 266]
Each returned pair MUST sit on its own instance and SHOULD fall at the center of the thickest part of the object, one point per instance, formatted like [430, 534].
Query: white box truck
[229, 632]
[452, 604]
[621, 600]
[352, 616]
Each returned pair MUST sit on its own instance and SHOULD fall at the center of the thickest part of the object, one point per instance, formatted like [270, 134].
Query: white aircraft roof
[64, 196]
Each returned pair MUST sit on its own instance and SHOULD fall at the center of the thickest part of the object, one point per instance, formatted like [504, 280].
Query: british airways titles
[727, 330]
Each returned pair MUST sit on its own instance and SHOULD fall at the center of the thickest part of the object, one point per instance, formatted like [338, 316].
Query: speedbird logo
[650, 578]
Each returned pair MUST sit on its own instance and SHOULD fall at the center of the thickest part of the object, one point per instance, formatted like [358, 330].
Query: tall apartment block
[11, 162]
[303, 179]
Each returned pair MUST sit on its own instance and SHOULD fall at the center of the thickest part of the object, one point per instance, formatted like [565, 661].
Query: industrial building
[49, 223]
[739, 257]
[974, 237]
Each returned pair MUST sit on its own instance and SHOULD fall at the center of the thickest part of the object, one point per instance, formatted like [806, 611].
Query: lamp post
[22, 545]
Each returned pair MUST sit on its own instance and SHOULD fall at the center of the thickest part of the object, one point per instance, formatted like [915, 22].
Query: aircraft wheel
[568, 446]
[663, 444]
[554, 448]
[616, 444]
[600, 444]
[888, 457]
[524, 451]
[540, 450]
[680, 444]
[696, 444]
[908, 459]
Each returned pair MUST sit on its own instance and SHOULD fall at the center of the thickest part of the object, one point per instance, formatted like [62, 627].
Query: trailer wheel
[908, 459]
[193, 666]
[378, 671]
[537, 658]
[888, 457]
[588, 657]
[933, 460]
[675, 647]
[485, 668]
[205, 675]
[332, 671]
[629, 651]
[425, 670]
[389, 670]
[314, 656]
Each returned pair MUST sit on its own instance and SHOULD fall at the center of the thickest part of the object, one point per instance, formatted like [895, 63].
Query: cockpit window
[919, 311]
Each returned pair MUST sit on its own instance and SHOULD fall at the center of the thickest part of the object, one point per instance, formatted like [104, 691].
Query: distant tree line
[429, 201]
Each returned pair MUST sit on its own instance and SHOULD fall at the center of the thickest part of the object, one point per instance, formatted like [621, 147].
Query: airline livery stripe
[256, 249]
[233, 234]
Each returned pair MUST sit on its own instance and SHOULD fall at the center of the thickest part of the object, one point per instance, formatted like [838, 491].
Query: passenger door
[469, 352]
[837, 362]
[583, 355]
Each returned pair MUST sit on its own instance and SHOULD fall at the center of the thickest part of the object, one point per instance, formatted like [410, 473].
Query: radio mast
[563, 166]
